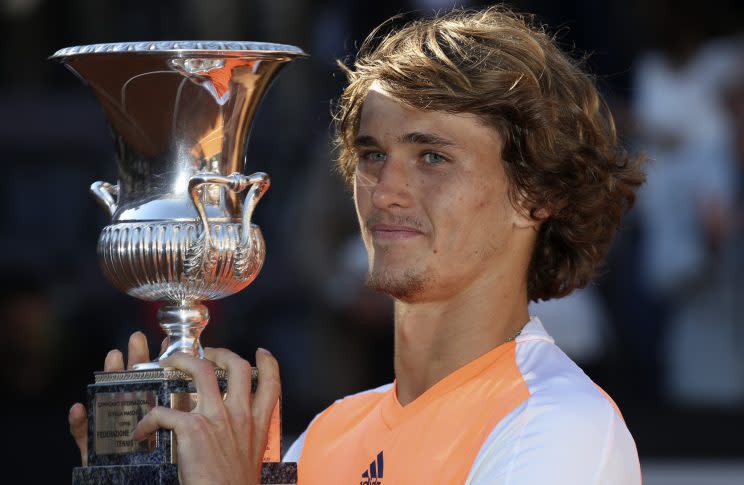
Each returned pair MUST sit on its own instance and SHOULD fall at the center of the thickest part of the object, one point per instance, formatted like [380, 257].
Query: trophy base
[116, 403]
[167, 474]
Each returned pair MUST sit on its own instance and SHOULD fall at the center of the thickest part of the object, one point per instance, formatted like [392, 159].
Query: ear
[526, 218]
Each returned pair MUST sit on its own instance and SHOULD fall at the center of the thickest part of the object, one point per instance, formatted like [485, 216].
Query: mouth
[392, 232]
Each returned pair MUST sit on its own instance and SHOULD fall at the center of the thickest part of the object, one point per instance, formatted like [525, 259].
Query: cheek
[484, 201]
[481, 223]
[464, 217]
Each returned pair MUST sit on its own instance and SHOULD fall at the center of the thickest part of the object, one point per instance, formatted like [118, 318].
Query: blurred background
[660, 330]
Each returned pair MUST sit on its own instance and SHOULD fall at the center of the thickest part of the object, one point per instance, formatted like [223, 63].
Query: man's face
[431, 197]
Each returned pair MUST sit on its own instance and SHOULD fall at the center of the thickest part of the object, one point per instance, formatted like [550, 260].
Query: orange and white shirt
[521, 414]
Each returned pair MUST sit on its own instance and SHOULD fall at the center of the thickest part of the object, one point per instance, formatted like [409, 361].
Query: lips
[394, 232]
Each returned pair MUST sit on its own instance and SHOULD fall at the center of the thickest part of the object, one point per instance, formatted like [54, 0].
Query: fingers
[239, 379]
[202, 373]
[161, 417]
[269, 388]
[79, 429]
[137, 351]
[114, 361]
[239, 373]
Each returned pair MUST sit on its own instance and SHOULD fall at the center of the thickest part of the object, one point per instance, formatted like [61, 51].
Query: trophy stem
[182, 323]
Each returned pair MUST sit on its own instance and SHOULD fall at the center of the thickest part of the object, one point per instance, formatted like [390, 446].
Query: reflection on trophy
[181, 229]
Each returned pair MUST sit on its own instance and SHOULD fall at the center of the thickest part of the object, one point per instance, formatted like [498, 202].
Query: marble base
[118, 400]
[126, 475]
[271, 474]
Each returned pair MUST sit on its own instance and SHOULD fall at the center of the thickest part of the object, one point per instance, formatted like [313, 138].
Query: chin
[406, 285]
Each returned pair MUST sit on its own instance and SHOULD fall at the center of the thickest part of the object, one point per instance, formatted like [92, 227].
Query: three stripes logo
[372, 475]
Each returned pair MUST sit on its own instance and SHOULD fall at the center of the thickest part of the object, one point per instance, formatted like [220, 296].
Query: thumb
[78, 420]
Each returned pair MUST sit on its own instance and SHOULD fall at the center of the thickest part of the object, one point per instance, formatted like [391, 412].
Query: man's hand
[137, 352]
[220, 441]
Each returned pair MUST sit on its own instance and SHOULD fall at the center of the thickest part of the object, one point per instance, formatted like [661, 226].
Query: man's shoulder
[553, 378]
[564, 406]
[570, 435]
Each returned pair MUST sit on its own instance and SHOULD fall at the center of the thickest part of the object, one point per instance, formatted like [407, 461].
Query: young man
[486, 173]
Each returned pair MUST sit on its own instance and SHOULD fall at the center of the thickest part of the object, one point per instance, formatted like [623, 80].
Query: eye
[373, 156]
[433, 158]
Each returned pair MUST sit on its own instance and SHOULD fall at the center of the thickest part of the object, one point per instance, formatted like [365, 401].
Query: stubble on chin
[403, 286]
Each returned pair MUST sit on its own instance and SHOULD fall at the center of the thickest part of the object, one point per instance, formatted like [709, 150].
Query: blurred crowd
[660, 330]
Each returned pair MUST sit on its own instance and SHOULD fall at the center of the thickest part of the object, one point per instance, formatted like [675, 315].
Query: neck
[435, 338]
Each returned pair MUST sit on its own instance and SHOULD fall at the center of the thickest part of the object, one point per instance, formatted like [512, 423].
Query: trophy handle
[259, 183]
[250, 253]
[105, 193]
[250, 250]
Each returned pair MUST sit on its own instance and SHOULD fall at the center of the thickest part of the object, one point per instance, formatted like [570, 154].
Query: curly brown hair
[560, 153]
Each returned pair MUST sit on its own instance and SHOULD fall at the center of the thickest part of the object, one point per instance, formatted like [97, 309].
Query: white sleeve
[294, 451]
[584, 443]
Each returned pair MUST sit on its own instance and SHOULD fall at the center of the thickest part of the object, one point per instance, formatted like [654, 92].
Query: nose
[392, 187]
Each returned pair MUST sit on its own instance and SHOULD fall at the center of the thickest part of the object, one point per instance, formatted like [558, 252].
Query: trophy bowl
[180, 114]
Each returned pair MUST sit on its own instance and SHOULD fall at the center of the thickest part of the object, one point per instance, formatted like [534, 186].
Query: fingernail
[261, 349]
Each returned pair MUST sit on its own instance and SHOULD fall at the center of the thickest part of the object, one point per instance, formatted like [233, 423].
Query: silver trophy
[181, 229]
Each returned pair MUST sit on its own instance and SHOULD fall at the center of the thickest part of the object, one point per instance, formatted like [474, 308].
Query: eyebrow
[419, 138]
[416, 137]
[365, 141]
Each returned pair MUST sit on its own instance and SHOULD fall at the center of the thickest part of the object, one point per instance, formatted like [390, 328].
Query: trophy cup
[180, 230]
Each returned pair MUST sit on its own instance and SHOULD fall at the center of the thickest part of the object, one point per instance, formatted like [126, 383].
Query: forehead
[384, 115]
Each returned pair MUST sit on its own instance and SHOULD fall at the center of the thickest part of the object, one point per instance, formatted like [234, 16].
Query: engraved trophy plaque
[180, 229]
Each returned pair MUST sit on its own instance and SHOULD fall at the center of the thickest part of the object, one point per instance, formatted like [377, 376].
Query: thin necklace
[509, 339]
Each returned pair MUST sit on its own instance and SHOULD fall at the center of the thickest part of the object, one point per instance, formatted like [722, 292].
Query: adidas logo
[370, 476]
